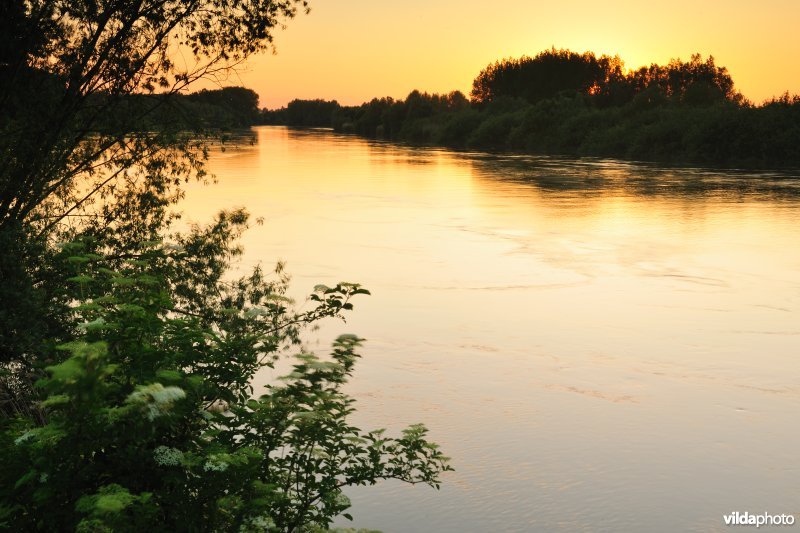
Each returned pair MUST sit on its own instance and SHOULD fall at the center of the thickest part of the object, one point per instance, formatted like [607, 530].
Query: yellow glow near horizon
[354, 50]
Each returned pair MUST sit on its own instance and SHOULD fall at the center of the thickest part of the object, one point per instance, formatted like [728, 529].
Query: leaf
[169, 376]
[27, 478]
[56, 400]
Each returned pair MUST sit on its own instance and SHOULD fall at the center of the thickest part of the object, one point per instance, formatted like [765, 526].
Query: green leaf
[56, 400]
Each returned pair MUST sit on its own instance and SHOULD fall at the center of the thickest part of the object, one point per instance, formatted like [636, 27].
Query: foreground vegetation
[128, 349]
[560, 102]
[145, 414]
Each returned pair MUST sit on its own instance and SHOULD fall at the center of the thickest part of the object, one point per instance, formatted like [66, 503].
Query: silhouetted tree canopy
[555, 72]
[67, 68]
[578, 104]
[310, 113]
[694, 81]
[547, 74]
[237, 105]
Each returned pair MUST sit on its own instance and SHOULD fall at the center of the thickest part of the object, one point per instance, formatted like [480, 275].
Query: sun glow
[354, 50]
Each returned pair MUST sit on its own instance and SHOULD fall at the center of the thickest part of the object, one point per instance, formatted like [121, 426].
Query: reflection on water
[603, 177]
[598, 345]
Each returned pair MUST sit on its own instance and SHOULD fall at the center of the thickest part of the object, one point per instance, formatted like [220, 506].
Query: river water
[598, 345]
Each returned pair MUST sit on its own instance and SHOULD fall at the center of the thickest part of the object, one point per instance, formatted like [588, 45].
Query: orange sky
[353, 50]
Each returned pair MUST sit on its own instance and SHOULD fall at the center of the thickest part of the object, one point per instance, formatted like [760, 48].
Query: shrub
[149, 419]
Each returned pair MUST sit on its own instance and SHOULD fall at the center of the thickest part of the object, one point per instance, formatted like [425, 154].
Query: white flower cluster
[166, 456]
[156, 398]
[215, 464]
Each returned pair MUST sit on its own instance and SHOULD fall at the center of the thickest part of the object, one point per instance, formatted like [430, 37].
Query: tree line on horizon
[227, 108]
[566, 103]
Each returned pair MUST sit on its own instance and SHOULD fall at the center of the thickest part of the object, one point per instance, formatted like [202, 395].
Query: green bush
[458, 126]
[493, 131]
[149, 419]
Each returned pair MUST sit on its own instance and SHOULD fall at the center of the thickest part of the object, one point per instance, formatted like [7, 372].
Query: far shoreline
[786, 172]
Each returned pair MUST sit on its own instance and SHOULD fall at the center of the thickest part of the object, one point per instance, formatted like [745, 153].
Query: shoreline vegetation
[129, 345]
[564, 103]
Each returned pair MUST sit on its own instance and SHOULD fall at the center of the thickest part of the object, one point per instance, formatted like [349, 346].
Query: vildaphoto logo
[764, 519]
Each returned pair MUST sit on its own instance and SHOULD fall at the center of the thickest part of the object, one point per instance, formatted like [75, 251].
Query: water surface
[598, 345]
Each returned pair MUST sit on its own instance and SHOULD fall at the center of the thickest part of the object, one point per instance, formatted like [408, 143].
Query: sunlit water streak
[598, 345]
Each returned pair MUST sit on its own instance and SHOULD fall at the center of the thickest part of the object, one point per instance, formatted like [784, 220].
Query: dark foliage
[127, 352]
[560, 102]
[550, 73]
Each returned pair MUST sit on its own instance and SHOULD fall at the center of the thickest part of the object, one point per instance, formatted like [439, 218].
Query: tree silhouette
[547, 74]
[68, 65]
[695, 81]
[85, 86]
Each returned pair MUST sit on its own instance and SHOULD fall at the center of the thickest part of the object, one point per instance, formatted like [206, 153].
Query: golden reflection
[579, 334]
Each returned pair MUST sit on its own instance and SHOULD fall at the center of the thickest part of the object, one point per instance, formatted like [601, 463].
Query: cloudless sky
[354, 50]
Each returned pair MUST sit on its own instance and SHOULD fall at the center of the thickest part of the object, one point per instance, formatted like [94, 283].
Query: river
[598, 345]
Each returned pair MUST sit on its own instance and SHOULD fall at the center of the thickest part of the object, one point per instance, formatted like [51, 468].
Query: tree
[311, 113]
[127, 355]
[694, 81]
[80, 81]
[69, 65]
[544, 76]
[237, 106]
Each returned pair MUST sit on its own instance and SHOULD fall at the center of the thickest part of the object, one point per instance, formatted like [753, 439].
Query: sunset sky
[353, 50]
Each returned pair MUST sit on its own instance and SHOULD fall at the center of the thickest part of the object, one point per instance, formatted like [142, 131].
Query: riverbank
[564, 103]
[721, 134]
